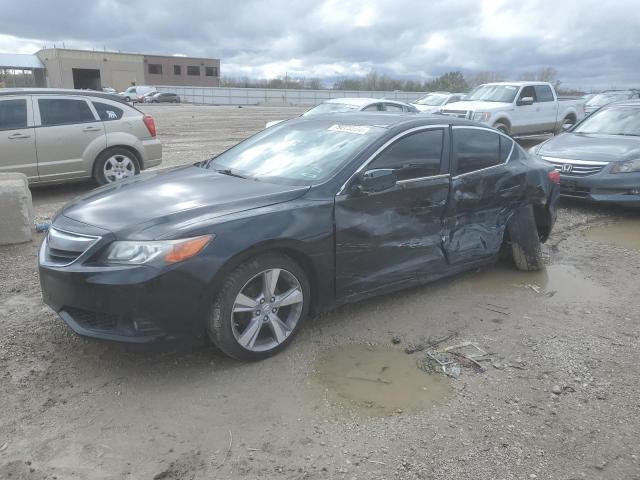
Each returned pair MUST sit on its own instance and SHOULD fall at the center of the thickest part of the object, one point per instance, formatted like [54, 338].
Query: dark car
[318, 211]
[162, 97]
[599, 158]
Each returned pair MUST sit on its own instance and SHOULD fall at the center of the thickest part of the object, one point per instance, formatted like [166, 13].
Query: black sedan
[303, 216]
[599, 158]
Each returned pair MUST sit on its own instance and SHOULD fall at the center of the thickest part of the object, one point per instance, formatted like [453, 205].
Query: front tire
[259, 308]
[502, 127]
[525, 240]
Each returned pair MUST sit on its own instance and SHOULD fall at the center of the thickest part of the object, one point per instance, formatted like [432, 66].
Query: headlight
[131, 252]
[481, 116]
[626, 167]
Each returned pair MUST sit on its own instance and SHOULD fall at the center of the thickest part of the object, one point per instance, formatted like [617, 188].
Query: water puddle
[624, 233]
[563, 283]
[379, 381]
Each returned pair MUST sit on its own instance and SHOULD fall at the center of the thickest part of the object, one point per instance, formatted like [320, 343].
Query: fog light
[635, 191]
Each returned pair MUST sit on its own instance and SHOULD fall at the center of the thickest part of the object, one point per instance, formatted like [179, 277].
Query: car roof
[624, 103]
[518, 83]
[389, 120]
[61, 91]
[361, 101]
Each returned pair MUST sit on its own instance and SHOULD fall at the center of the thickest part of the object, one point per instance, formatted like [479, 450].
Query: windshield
[296, 154]
[432, 100]
[494, 93]
[605, 98]
[332, 108]
[612, 121]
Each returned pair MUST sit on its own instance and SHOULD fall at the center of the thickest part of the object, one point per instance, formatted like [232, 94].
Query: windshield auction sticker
[358, 129]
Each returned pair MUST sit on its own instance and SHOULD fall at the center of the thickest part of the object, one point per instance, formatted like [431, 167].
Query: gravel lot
[345, 400]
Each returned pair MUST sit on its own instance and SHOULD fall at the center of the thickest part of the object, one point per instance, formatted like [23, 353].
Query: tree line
[455, 81]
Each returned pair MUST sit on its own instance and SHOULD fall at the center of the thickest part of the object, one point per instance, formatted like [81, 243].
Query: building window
[211, 71]
[193, 71]
[155, 68]
[177, 70]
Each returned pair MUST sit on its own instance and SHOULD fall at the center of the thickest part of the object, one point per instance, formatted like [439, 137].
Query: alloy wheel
[118, 167]
[266, 310]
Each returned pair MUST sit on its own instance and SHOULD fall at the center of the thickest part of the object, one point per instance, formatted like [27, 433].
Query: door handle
[15, 136]
[92, 129]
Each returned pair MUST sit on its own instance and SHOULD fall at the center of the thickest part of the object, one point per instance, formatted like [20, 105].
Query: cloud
[592, 44]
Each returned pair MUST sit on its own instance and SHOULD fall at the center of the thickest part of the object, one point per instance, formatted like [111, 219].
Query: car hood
[580, 146]
[476, 106]
[155, 204]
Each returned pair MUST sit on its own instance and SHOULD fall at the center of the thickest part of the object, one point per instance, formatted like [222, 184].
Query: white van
[135, 92]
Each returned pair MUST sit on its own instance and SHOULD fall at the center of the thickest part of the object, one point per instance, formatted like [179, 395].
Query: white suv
[58, 135]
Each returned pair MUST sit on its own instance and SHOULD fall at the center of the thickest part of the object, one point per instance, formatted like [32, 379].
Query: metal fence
[272, 96]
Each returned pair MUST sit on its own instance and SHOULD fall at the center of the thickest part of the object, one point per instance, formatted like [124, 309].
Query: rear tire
[245, 298]
[525, 241]
[125, 163]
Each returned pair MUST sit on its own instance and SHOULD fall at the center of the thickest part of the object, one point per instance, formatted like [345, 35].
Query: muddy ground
[345, 400]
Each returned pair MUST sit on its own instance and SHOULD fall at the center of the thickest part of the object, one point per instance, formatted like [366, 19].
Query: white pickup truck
[519, 108]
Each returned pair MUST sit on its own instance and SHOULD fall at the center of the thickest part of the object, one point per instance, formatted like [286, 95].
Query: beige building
[65, 68]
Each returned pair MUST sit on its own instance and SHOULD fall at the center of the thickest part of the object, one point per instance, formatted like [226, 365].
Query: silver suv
[58, 135]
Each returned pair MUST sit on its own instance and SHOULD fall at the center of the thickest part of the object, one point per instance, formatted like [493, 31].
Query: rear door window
[543, 93]
[13, 114]
[64, 111]
[392, 107]
[108, 112]
[414, 156]
[475, 149]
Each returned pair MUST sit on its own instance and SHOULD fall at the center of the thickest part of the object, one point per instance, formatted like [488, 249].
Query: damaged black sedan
[315, 212]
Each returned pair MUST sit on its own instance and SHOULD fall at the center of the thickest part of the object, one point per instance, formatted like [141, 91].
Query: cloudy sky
[591, 43]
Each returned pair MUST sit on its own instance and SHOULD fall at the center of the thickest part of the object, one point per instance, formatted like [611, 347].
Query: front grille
[63, 248]
[113, 323]
[93, 320]
[576, 168]
[457, 113]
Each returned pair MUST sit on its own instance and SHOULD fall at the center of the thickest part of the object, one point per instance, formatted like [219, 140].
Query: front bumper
[619, 188]
[135, 304]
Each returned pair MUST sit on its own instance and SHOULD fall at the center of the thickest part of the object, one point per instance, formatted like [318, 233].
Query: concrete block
[16, 209]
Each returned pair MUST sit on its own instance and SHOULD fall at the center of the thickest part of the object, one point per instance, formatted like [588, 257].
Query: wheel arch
[504, 120]
[290, 248]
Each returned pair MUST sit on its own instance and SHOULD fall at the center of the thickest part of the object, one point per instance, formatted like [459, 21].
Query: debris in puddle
[450, 360]
[495, 309]
[396, 340]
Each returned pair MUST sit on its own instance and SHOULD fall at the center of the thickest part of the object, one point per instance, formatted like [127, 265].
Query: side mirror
[377, 180]
[525, 101]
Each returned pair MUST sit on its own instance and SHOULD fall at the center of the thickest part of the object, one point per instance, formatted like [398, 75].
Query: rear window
[505, 148]
[476, 149]
[108, 112]
[64, 111]
[13, 114]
